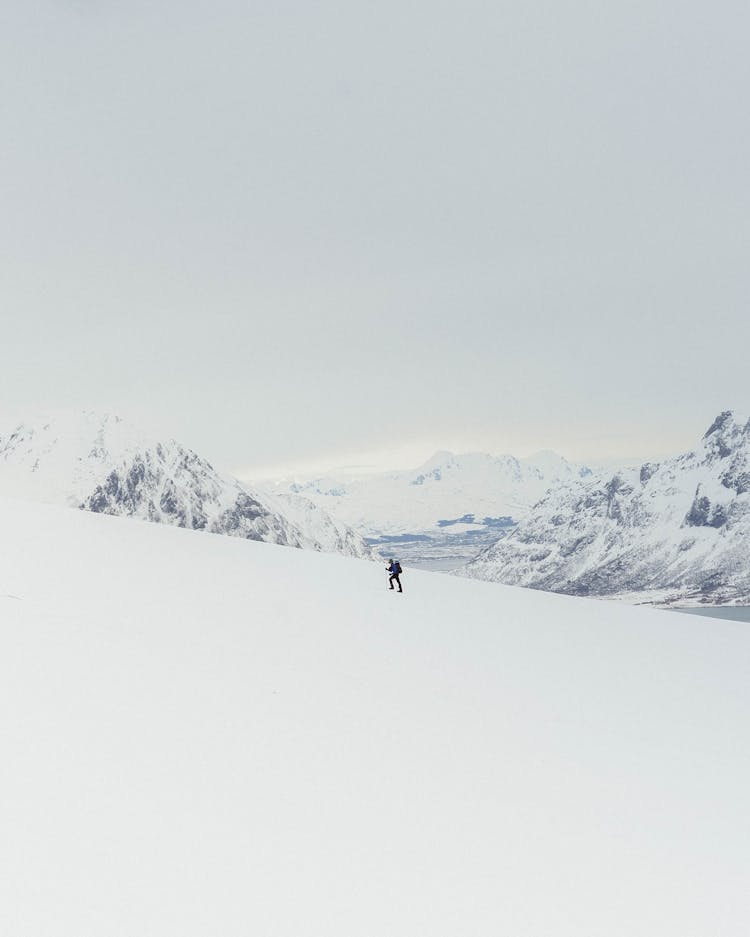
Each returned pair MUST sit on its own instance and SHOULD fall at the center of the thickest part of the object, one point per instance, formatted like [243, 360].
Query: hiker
[395, 570]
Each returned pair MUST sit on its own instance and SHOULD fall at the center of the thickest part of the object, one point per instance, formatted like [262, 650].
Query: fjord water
[727, 612]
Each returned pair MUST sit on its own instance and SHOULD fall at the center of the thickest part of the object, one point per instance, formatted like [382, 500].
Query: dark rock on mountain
[676, 532]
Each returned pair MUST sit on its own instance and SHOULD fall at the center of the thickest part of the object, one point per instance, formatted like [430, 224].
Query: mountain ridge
[673, 532]
[103, 464]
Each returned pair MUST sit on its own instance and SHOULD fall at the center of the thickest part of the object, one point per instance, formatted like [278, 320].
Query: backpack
[398, 568]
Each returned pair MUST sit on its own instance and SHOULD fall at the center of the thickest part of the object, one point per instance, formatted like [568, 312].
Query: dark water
[439, 551]
[730, 612]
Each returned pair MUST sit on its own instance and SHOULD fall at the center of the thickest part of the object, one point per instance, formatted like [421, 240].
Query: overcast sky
[298, 232]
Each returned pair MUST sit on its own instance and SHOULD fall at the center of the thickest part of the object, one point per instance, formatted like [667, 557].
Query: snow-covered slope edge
[204, 735]
[673, 533]
[103, 464]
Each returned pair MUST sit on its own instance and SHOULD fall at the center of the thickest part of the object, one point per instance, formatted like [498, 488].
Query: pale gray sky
[295, 231]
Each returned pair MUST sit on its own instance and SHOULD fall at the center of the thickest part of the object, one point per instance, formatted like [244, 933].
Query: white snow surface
[105, 464]
[212, 736]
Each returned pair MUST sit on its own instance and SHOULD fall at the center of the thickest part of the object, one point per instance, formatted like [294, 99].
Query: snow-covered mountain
[104, 464]
[445, 511]
[675, 532]
[209, 736]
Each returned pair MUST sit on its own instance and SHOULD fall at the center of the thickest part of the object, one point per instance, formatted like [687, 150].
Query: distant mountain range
[442, 513]
[673, 533]
[103, 464]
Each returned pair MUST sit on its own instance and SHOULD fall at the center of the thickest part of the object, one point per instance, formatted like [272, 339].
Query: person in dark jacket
[395, 570]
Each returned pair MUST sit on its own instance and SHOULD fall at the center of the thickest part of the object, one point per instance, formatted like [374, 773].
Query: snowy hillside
[103, 464]
[676, 533]
[442, 513]
[208, 736]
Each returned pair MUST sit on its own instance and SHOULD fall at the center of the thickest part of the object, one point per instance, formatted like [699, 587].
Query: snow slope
[443, 512]
[104, 464]
[675, 533]
[210, 736]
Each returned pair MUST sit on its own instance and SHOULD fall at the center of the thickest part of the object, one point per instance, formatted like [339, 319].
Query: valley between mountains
[672, 533]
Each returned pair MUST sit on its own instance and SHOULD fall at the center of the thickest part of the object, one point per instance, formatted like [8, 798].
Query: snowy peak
[62, 449]
[727, 434]
[674, 532]
[438, 460]
[101, 463]
[446, 486]
[552, 466]
[542, 466]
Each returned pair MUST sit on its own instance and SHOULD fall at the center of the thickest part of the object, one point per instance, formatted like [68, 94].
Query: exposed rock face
[677, 532]
[100, 464]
